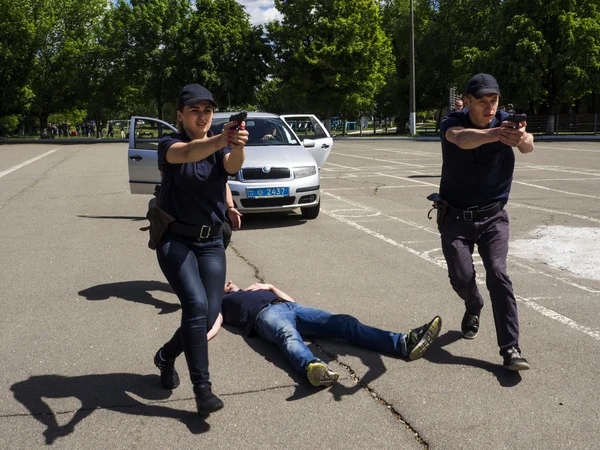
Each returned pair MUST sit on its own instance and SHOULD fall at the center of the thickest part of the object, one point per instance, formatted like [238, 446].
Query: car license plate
[268, 192]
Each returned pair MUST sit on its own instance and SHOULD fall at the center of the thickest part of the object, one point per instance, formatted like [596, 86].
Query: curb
[540, 138]
[62, 141]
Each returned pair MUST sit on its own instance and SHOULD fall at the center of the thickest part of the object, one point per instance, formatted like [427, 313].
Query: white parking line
[556, 190]
[23, 164]
[439, 263]
[377, 159]
[568, 148]
[339, 165]
[564, 170]
[555, 211]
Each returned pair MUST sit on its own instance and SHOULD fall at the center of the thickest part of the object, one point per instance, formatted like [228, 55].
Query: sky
[261, 11]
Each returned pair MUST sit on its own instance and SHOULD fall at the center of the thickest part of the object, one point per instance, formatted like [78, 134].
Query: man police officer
[477, 170]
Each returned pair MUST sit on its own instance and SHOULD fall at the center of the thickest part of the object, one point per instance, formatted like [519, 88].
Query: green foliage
[64, 37]
[331, 54]
[550, 50]
[234, 56]
[347, 57]
[72, 116]
[17, 38]
[9, 124]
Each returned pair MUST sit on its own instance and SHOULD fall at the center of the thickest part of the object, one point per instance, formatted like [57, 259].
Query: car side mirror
[308, 143]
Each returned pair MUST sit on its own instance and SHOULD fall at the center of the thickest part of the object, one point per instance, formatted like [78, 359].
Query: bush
[9, 124]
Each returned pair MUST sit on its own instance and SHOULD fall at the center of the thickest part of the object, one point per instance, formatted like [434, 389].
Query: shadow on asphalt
[270, 220]
[133, 291]
[132, 218]
[369, 358]
[273, 354]
[439, 355]
[303, 388]
[106, 391]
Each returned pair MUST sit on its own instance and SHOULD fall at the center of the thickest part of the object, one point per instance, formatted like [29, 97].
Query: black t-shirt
[241, 308]
[194, 192]
[479, 176]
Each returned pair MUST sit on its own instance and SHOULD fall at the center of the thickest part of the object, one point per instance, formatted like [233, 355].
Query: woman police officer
[195, 165]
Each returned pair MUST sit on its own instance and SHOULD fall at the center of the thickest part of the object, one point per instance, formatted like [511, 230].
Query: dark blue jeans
[491, 236]
[286, 324]
[196, 272]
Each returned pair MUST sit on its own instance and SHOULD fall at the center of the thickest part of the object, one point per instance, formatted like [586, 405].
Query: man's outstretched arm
[269, 287]
[215, 328]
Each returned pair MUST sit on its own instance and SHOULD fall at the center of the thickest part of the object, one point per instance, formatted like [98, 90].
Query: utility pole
[413, 108]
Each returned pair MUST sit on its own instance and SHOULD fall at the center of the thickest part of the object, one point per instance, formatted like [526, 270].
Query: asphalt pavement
[85, 307]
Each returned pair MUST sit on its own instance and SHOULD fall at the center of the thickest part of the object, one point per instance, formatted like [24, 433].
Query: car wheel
[311, 212]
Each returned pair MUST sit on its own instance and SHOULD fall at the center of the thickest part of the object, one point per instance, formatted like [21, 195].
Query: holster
[441, 207]
[159, 223]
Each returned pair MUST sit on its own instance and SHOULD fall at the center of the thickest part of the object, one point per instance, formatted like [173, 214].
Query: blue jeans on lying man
[286, 324]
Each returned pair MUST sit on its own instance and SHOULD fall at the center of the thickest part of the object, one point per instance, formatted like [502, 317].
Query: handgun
[239, 118]
[517, 118]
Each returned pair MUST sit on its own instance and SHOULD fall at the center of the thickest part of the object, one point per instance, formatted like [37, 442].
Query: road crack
[372, 392]
[375, 395]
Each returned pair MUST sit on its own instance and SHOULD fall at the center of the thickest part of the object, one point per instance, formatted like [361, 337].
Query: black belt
[469, 215]
[197, 231]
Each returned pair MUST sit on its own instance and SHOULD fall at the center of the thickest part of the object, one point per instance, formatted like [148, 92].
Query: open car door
[144, 134]
[307, 126]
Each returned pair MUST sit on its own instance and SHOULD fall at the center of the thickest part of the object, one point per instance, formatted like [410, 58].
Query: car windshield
[262, 131]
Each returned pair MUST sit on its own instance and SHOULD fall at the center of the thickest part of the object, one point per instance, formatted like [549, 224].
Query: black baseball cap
[482, 84]
[192, 94]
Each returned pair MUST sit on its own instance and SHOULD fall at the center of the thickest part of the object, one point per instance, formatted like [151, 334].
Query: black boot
[206, 401]
[169, 378]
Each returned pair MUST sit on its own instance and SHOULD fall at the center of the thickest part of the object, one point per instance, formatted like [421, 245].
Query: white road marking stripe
[554, 211]
[29, 161]
[369, 188]
[565, 170]
[377, 159]
[563, 179]
[339, 165]
[559, 317]
[556, 190]
[439, 263]
[566, 148]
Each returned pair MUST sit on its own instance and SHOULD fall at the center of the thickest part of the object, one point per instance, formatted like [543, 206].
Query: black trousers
[491, 236]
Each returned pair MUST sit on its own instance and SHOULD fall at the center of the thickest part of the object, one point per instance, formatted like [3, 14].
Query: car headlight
[307, 171]
[233, 177]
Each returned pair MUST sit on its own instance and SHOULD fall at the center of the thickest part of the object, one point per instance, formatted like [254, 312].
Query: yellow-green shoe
[320, 375]
[420, 339]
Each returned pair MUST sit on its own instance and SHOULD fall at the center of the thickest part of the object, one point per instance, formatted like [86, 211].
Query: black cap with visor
[481, 85]
[192, 94]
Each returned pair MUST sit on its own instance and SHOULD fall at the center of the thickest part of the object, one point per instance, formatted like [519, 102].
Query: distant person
[510, 108]
[477, 172]
[264, 310]
[110, 132]
[458, 105]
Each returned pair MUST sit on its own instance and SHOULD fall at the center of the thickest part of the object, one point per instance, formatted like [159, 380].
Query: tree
[230, 56]
[331, 55]
[64, 36]
[17, 36]
[550, 51]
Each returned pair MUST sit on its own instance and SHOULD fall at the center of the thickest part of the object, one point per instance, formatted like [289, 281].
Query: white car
[280, 173]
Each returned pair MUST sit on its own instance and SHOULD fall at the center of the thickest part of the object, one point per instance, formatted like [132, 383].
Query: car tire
[311, 212]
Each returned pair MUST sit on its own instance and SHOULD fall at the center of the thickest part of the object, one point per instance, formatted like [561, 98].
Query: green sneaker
[320, 375]
[419, 339]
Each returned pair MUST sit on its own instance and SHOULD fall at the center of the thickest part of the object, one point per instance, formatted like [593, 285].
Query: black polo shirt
[241, 308]
[193, 192]
[479, 176]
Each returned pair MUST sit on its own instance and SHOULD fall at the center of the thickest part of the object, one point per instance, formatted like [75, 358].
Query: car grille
[257, 173]
[267, 202]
